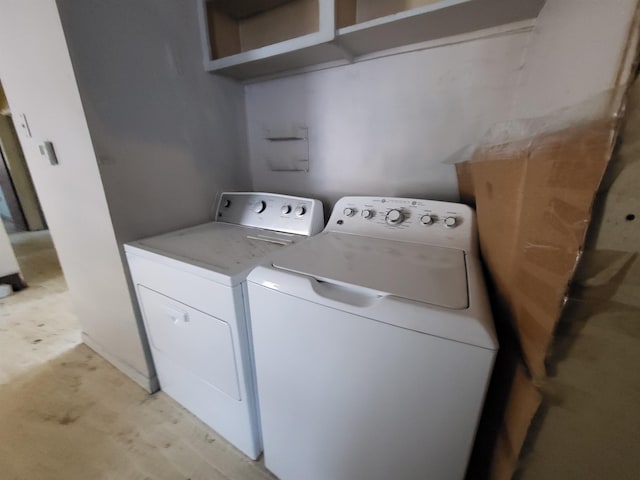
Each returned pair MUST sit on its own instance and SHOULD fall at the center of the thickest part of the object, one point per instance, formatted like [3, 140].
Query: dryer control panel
[415, 220]
[271, 211]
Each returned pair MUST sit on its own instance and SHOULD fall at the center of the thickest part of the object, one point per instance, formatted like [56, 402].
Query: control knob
[259, 207]
[426, 219]
[394, 217]
[286, 209]
[226, 203]
[368, 214]
[349, 212]
[450, 222]
[300, 211]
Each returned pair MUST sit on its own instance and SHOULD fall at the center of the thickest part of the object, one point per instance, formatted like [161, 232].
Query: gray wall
[385, 126]
[168, 135]
[39, 81]
[144, 136]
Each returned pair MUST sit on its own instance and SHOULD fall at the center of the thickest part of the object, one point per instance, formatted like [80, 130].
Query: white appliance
[192, 293]
[374, 344]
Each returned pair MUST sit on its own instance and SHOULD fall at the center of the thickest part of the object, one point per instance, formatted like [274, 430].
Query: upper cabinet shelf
[252, 38]
[384, 24]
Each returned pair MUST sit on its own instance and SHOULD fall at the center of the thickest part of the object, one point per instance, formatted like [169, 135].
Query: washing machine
[374, 344]
[191, 288]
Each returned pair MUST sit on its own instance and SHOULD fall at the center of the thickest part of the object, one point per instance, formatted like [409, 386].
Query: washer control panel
[271, 211]
[406, 219]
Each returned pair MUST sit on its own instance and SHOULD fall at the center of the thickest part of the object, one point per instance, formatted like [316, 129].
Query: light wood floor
[65, 413]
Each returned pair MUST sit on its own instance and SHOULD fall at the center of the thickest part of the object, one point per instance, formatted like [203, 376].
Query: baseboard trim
[150, 384]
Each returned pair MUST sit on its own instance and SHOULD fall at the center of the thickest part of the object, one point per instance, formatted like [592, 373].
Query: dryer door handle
[176, 316]
[350, 295]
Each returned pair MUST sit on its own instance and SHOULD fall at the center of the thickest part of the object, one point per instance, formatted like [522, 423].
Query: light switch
[46, 150]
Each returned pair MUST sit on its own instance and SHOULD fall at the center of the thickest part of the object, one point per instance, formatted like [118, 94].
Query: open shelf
[253, 38]
[237, 27]
[384, 24]
[361, 11]
[256, 37]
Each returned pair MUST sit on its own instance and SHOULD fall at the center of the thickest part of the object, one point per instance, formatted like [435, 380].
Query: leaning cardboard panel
[593, 390]
[533, 183]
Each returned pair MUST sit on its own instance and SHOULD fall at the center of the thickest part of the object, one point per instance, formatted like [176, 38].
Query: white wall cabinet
[252, 38]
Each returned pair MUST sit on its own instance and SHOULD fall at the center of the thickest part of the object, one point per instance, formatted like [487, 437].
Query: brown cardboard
[224, 34]
[232, 32]
[534, 198]
[522, 404]
[534, 205]
[345, 13]
[590, 416]
[291, 20]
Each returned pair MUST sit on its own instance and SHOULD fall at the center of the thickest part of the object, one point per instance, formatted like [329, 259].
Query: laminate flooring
[66, 413]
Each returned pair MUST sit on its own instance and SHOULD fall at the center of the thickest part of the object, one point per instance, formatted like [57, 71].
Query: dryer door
[199, 343]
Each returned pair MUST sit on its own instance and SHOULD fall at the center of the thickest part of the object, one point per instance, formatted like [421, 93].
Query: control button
[300, 211]
[226, 203]
[368, 214]
[426, 219]
[450, 222]
[349, 212]
[286, 209]
[259, 207]
[394, 217]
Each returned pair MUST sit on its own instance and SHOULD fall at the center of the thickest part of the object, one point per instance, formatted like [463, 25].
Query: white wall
[8, 262]
[576, 51]
[385, 126]
[36, 73]
[168, 135]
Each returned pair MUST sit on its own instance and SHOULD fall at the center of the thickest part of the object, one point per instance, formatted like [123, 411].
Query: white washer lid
[418, 272]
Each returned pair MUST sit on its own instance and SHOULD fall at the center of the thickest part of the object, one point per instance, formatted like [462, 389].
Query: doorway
[21, 218]
[19, 205]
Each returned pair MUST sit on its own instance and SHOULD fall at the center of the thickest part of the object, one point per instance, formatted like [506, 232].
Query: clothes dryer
[191, 287]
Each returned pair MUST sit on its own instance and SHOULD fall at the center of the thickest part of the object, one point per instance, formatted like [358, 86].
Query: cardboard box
[590, 417]
[533, 183]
